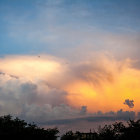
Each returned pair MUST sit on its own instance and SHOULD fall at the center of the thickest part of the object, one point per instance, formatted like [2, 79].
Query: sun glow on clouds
[31, 67]
[101, 84]
[108, 87]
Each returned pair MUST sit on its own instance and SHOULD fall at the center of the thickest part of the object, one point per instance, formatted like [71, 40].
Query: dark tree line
[17, 129]
[116, 131]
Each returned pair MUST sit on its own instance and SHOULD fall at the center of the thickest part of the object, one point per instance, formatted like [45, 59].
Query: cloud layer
[49, 89]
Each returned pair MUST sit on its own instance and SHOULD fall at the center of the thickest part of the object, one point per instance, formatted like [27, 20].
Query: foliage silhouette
[116, 131]
[69, 136]
[18, 129]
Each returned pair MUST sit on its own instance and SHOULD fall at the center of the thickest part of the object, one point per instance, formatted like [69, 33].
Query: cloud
[34, 101]
[2, 73]
[13, 76]
[56, 29]
[16, 94]
[50, 88]
[98, 71]
[47, 112]
[130, 103]
[83, 110]
[104, 79]
[117, 116]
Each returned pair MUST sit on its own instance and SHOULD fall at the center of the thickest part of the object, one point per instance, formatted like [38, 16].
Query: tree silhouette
[18, 129]
[116, 131]
[132, 132]
[69, 136]
[106, 133]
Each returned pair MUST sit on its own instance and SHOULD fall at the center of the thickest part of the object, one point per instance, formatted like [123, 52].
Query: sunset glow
[99, 87]
[64, 63]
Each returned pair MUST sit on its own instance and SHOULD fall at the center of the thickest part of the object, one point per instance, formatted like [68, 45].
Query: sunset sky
[66, 62]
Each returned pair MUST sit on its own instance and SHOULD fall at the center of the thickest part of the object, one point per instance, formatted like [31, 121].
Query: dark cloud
[83, 110]
[12, 76]
[2, 73]
[109, 116]
[130, 103]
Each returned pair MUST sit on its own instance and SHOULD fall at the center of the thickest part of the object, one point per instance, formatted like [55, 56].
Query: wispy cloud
[65, 28]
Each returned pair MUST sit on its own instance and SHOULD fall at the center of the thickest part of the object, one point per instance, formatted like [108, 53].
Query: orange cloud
[100, 84]
[105, 86]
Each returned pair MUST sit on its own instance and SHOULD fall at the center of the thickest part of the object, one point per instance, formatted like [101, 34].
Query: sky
[70, 63]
